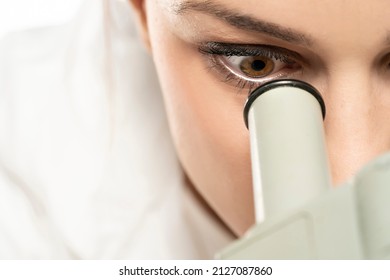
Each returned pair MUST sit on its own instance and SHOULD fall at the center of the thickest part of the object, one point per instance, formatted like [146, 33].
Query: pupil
[258, 65]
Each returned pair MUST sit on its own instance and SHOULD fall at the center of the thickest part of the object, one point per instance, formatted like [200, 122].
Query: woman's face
[204, 52]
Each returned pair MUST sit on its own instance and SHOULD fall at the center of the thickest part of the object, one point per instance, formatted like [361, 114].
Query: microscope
[298, 213]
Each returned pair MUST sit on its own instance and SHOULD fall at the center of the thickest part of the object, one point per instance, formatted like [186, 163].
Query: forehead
[301, 11]
[345, 22]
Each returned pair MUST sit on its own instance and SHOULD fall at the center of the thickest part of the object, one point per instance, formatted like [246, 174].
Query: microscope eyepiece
[285, 119]
[282, 83]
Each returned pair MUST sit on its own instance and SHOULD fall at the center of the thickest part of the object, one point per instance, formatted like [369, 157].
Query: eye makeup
[249, 66]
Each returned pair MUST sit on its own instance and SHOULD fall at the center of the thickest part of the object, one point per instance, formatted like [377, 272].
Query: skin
[347, 59]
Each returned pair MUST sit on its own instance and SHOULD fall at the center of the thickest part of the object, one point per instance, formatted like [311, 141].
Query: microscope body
[299, 215]
[348, 222]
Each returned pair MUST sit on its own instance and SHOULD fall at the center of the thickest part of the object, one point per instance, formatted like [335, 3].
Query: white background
[23, 14]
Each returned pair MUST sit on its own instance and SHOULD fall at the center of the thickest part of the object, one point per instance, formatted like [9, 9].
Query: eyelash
[217, 51]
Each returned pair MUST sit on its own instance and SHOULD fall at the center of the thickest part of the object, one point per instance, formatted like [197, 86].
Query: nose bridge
[350, 124]
[348, 96]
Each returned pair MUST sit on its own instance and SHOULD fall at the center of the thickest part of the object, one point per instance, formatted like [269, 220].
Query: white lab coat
[87, 167]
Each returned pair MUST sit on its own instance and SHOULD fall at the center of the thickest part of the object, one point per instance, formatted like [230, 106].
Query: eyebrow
[244, 22]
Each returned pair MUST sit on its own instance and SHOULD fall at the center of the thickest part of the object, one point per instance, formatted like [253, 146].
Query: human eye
[249, 66]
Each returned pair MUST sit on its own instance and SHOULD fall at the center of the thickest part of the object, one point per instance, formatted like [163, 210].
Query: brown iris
[257, 66]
